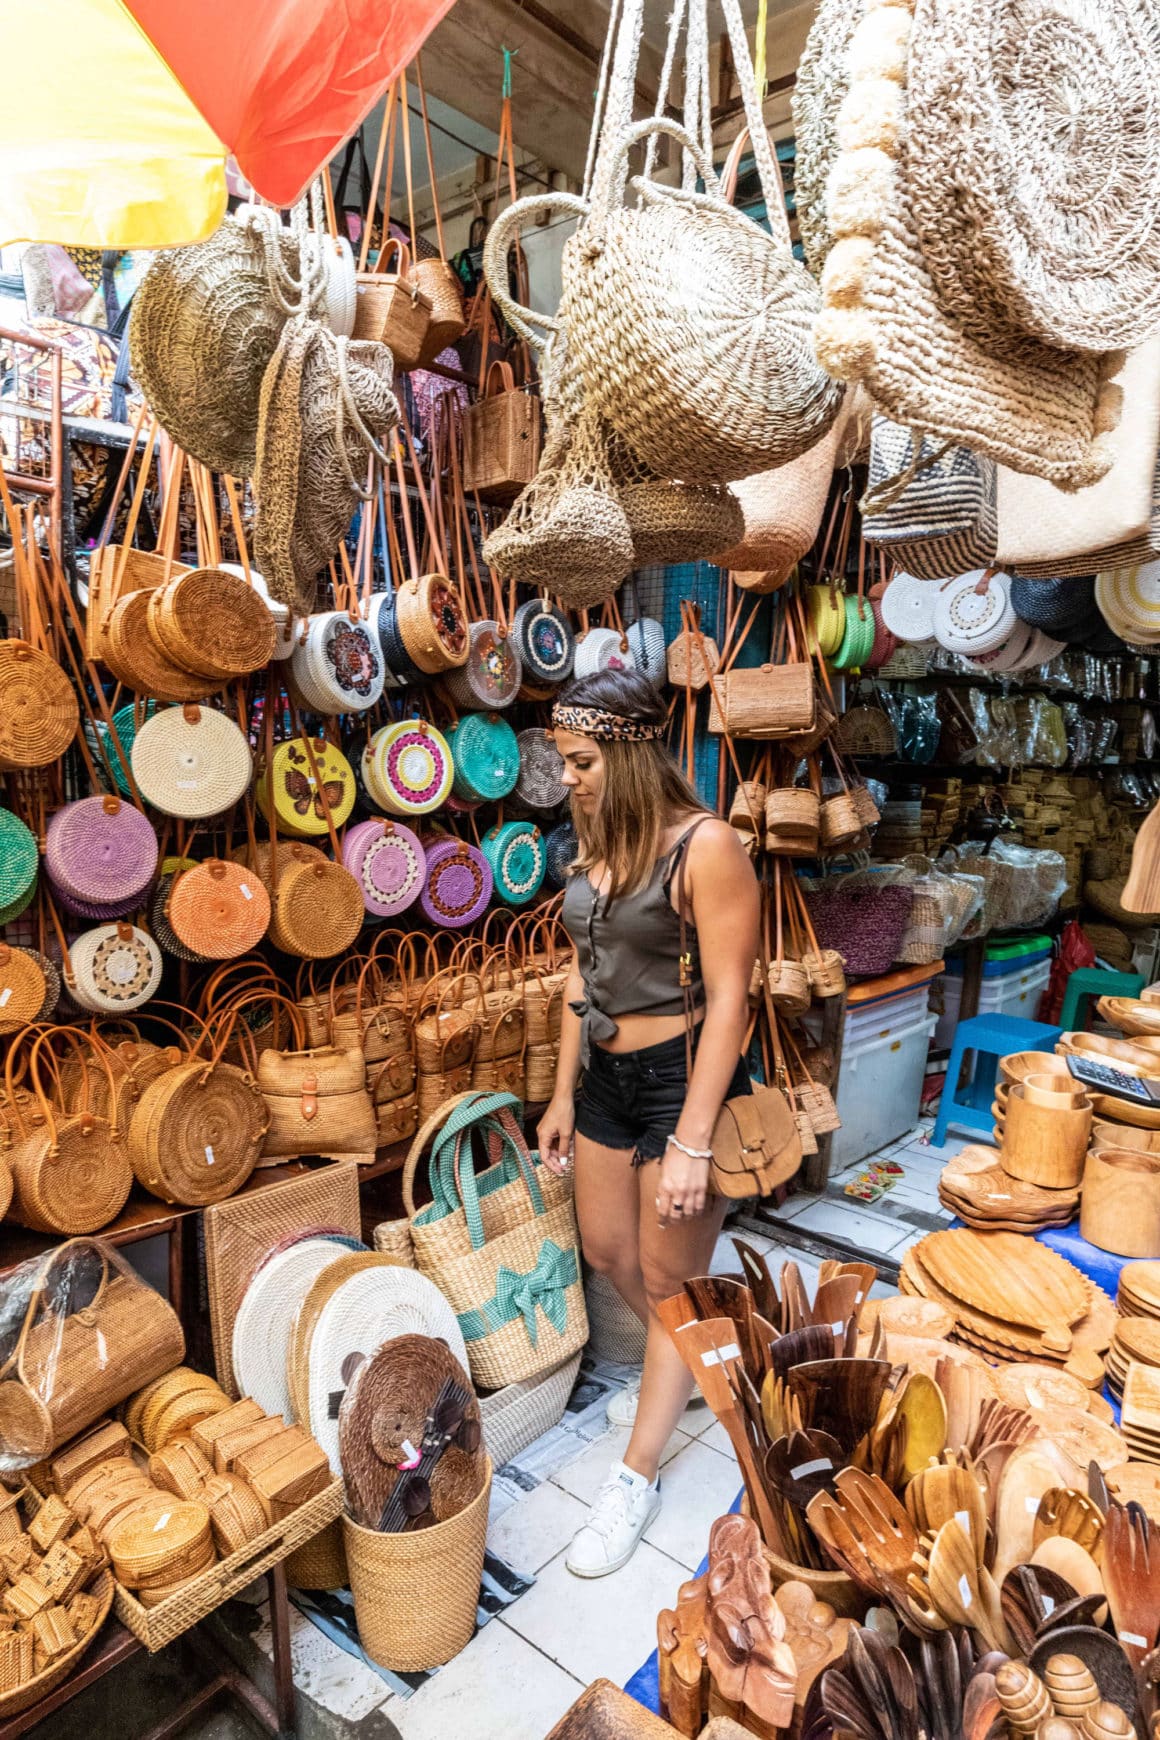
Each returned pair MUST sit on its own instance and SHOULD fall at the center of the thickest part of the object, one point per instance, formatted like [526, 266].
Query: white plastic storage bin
[887, 1015]
[1012, 994]
[879, 1091]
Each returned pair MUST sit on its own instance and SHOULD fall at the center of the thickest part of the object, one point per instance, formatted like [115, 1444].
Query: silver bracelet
[692, 1153]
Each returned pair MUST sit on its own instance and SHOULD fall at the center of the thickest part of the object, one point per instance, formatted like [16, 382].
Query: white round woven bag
[646, 643]
[371, 1307]
[971, 618]
[261, 1337]
[1041, 649]
[1009, 653]
[602, 649]
[114, 968]
[1129, 599]
[908, 607]
[339, 667]
[191, 761]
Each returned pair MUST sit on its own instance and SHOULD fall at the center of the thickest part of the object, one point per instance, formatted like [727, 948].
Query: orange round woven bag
[196, 1133]
[211, 622]
[219, 909]
[136, 659]
[318, 910]
[38, 707]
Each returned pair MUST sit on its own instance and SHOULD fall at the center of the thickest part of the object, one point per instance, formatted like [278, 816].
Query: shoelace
[610, 1509]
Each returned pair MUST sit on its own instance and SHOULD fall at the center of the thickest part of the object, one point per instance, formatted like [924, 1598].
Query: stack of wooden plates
[1137, 1482]
[1131, 1016]
[975, 1187]
[1140, 1413]
[1013, 1299]
[1136, 1339]
[1139, 1294]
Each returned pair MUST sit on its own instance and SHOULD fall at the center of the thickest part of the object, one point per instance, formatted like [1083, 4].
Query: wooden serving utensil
[841, 1396]
[761, 1284]
[780, 1411]
[795, 1304]
[1142, 889]
[676, 1311]
[922, 1406]
[1131, 1574]
[941, 1492]
[805, 1346]
[708, 1349]
[963, 1591]
[1063, 1511]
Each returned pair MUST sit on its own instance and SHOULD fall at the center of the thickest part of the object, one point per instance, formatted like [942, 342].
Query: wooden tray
[1008, 1277]
[157, 1626]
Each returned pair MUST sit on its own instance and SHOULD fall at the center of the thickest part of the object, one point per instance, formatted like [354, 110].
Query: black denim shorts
[632, 1099]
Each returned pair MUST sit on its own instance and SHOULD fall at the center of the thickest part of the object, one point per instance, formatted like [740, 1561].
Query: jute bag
[79, 1333]
[503, 1247]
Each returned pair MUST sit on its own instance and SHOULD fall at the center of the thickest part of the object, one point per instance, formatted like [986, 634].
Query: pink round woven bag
[101, 850]
[389, 864]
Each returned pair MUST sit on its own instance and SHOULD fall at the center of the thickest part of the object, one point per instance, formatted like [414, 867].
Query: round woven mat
[302, 1329]
[265, 1317]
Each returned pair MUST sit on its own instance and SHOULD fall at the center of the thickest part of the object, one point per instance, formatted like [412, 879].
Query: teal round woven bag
[125, 727]
[18, 861]
[858, 639]
[518, 860]
[486, 755]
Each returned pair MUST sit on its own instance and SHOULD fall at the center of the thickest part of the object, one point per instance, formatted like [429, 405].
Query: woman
[639, 1126]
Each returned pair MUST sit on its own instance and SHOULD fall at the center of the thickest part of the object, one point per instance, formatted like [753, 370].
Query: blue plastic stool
[990, 1037]
[1088, 982]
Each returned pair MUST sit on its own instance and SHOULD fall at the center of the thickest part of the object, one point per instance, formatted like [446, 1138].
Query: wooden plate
[1141, 1281]
[1137, 1338]
[1011, 1340]
[1006, 1276]
[1031, 1386]
[1081, 1436]
[1137, 1481]
[1117, 1111]
[923, 1319]
[1141, 1409]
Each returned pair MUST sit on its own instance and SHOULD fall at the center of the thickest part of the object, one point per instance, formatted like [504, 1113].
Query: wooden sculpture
[814, 1633]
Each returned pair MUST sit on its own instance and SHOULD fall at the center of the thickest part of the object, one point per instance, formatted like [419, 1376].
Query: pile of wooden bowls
[1136, 1341]
[1043, 1120]
[1139, 1293]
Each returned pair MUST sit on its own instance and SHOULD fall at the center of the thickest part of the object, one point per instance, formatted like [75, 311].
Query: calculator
[1109, 1080]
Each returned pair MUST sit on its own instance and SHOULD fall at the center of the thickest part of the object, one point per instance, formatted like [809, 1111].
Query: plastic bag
[79, 1331]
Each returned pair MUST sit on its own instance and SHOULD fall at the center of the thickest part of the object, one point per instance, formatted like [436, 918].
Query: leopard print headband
[605, 727]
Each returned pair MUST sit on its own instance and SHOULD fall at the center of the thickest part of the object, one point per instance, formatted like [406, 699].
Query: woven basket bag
[23, 988]
[517, 1292]
[196, 1132]
[39, 714]
[113, 969]
[431, 623]
[391, 307]
[546, 641]
[219, 910]
[317, 911]
[191, 762]
[303, 776]
[487, 757]
[501, 437]
[70, 1168]
[491, 675]
[820, 88]
[518, 861]
[317, 1102]
[211, 622]
[409, 768]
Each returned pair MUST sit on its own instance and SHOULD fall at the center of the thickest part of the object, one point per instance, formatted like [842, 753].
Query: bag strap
[686, 960]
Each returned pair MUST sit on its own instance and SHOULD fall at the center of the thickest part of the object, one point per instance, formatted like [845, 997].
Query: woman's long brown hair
[644, 791]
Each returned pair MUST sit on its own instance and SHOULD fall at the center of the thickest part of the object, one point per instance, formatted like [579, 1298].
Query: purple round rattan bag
[458, 886]
[101, 850]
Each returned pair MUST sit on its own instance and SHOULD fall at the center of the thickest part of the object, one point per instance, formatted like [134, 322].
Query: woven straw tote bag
[1009, 247]
[518, 1329]
[459, 884]
[1035, 408]
[90, 1334]
[501, 437]
[317, 1103]
[670, 522]
[191, 762]
[210, 622]
[391, 307]
[69, 1162]
[23, 988]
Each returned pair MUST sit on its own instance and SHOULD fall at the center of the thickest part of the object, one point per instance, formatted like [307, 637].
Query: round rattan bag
[459, 884]
[410, 768]
[196, 1132]
[210, 622]
[486, 753]
[38, 708]
[137, 659]
[70, 1169]
[318, 910]
[219, 910]
[540, 784]
[191, 762]
[545, 640]
[115, 968]
[492, 673]
[23, 988]
[431, 623]
[306, 781]
[518, 861]
[102, 850]
[339, 667]
[561, 846]
[18, 859]
[389, 864]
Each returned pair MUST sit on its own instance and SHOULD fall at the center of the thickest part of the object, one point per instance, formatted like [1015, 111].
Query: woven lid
[300, 786]
[459, 884]
[1130, 601]
[219, 909]
[413, 767]
[518, 861]
[318, 910]
[367, 1310]
[320, 1292]
[908, 607]
[191, 761]
[389, 864]
[115, 967]
[101, 849]
[18, 859]
[261, 1334]
[972, 614]
[486, 756]
[145, 1545]
[38, 709]
[339, 666]
[545, 639]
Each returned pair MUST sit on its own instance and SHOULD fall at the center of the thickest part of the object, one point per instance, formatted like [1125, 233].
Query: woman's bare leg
[607, 1207]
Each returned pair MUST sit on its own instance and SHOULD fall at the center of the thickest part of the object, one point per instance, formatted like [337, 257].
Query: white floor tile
[717, 1438]
[596, 1627]
[830, 1219]
[500, 1688]
[697, 1487]
[584, 1477]
[532, 1531]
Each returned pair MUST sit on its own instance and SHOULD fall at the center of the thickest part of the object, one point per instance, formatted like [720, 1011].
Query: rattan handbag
[196, 1131]
[391, 308]
[82, 1333]
[316, 1100]
[69, 1160]
[512, 1275]
[501, 437]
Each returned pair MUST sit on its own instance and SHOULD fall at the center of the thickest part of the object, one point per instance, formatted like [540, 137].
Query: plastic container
[879, 1090]
[1016, 992]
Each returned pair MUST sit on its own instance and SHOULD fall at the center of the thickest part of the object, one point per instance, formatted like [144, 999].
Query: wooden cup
[1120, 1207]
[1052, 1091]
[1043, 1144]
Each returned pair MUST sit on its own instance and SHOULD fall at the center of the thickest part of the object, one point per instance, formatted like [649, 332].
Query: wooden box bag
[316, 1100]
[775, 700]
[390, 307]
[501, 437]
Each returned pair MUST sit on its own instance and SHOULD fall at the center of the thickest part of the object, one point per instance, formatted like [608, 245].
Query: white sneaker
[621, 1409]
[624, 1507]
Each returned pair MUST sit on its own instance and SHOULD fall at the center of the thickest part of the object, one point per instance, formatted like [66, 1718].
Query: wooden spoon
[805, 1346]
[963, 1591]
[795, 1304]
[708, 1349]
[841, 1396]
[1068, 1560]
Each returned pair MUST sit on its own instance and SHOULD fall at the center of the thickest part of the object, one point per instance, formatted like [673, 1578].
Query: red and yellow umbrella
[118, 115]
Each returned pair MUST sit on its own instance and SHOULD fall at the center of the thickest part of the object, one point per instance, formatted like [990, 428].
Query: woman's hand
[554, 1134]
[683, 1189]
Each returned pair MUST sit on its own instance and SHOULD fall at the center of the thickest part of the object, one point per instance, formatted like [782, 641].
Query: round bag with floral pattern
[493, 673]
[408, 768]
[518, 860]
[389, 864]
[339, 666]
[459, 884]
[114, 968]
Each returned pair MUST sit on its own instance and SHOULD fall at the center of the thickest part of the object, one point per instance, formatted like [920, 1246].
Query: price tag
[161, 1521]
[209, 1155]
[804, 1468]
[721, 1355]
[1134, 1638]
[1031, 1505]
[4, 995]
[963, 1518]
[245, 887]
[964, 1591]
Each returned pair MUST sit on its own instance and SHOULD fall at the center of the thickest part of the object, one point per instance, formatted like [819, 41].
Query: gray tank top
[629, 952]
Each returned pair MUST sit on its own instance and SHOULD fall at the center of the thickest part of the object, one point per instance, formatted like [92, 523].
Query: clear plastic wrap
[944, 902]
[79, 1331]
[1024, 884]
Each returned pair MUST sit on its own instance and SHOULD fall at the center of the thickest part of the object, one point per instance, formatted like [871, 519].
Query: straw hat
[324, 400]
[203, 328]
[1130, 601]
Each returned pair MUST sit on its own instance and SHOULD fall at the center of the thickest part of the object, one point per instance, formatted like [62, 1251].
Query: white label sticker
[804, 1468]
[1134, 1638]
[963, 1518]
[4, 995]
[1048, 1604]
[209, 1155]
[1000, 1196]
[162, 1520]
[185, 784]
[1031, 1505]
[838, 1328]
[721, 1355]
[964, 1591]
[245, 887]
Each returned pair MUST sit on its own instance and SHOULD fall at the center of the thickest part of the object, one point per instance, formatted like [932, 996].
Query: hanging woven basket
[19, 859]
[196, 1133]
[518, 861]
[115, 968]
[100, 849]
[210, 622]
[219, 910]
[339, 666]
[459, 884]
[389, 864]
[318, 910]
[486, 753]
[431, 623]
[191, 762]
[409, 768]
[38, 707]
[544, 638]
[23, 988]
[540, 784]
[305, 783]
[492, 673]
[137, 659]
